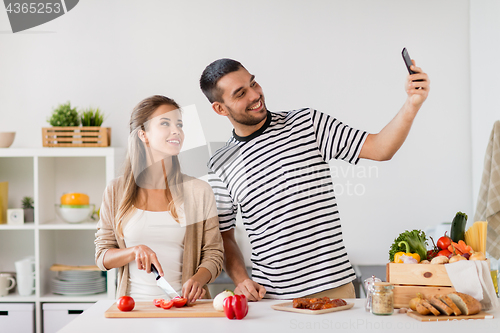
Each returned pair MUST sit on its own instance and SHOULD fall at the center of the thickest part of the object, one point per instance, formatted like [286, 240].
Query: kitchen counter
[262, 318]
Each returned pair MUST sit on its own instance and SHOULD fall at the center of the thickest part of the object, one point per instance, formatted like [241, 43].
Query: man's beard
[246, 119]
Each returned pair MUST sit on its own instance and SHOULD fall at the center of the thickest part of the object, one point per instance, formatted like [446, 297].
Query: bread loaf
[430, 307]
[422, 309]
[441, 306]
[467, 304]
[451, 304]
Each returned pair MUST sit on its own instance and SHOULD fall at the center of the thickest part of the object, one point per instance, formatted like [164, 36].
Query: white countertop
[262, 318]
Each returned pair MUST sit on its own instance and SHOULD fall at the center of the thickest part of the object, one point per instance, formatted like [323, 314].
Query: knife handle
[155, 271]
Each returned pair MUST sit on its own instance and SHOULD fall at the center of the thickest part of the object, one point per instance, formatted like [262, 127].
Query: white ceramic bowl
[74, 215]
[6, 139]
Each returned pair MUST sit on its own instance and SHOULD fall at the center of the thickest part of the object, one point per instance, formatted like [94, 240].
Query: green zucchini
[457, 231]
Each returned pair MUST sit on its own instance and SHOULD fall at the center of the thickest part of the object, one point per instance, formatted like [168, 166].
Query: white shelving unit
[45, 174]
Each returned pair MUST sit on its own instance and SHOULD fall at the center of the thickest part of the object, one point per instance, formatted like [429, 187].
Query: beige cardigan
[202, 242]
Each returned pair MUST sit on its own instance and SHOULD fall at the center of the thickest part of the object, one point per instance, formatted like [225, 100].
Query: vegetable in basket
[416, 240]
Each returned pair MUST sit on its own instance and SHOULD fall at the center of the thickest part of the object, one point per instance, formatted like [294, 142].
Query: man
[275, 168]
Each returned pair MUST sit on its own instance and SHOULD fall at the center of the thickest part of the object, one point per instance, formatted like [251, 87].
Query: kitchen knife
[163, 284]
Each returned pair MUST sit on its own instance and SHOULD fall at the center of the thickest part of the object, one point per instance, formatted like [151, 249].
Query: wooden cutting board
[419, 317]
[201, 308]
[288, 306]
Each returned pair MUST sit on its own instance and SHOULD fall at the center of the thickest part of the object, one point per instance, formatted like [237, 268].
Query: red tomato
[166, 304]
[157, 302]
[444, 242]
[179, 302]
[445, 253]
[125, 303]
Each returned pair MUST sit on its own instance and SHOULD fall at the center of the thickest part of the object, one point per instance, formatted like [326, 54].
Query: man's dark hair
[213, 73]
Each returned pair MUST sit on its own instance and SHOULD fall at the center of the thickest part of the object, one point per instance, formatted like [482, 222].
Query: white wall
[340, 57]
[485, 105]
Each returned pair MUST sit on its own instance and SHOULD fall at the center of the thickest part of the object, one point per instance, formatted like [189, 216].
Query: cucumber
[457, 231]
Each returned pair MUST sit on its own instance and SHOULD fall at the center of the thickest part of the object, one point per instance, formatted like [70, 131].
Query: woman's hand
[144, 257]
[193, 288]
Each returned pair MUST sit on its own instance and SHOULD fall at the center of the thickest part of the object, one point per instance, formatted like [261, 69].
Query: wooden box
[76, 136]
[408, 280]
[427, 279]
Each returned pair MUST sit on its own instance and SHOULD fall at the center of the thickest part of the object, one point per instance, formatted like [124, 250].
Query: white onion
[219, 299]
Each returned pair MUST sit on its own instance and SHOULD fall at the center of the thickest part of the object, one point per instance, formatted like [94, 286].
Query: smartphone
[408, 63]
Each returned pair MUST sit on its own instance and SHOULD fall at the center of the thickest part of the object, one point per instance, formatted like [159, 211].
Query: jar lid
[372, 279]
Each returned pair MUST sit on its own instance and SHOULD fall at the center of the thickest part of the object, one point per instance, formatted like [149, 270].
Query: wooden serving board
[288, 306]
[147, 309]
[419, 317]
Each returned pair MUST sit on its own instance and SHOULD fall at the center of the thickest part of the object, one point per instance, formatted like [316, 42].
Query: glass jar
[369, 291]
[382, 298]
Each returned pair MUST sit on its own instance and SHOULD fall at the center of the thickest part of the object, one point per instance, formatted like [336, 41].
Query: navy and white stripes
[280, 179]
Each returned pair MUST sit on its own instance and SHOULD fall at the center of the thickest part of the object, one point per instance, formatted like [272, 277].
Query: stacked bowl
[74, 208]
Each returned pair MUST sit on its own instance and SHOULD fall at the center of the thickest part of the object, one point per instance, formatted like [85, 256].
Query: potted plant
[68, 133]
[28, 208]
[92, 118]
[64, 115]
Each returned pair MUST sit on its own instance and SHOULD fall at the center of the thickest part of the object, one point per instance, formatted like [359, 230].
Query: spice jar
[369, 291]
[382, 298]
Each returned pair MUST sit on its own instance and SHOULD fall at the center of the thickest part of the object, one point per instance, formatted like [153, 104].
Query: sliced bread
[466, 303]
[441, 306]
[428, 305]
[451, 304]
[422, 309]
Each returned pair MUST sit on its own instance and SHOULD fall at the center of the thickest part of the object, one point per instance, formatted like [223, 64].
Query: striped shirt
[280, 179]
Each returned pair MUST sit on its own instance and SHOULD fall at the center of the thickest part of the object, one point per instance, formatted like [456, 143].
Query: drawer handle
[4, 313]
[75, 312]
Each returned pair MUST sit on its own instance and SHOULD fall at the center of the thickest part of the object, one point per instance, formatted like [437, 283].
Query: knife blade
[163, 284]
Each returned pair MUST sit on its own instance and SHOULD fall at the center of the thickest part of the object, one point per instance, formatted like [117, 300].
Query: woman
[154, 214]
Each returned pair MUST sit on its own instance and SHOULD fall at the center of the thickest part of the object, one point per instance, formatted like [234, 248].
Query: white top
[162, 234]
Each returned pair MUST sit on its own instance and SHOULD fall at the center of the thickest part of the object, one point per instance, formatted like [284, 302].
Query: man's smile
[256, 106]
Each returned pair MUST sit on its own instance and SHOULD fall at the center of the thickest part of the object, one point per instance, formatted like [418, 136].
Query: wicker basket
[76, 136]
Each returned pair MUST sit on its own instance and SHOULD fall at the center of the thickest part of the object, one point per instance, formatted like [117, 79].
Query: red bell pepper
[236, 306]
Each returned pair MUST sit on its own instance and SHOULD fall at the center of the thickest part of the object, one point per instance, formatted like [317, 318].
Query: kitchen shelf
[16, 298]
[52, 225]
[45, 174]
[58, 225]
[49, 297]
[25, 226]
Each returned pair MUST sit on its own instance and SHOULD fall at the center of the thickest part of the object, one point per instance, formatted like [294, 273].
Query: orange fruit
[75, 199]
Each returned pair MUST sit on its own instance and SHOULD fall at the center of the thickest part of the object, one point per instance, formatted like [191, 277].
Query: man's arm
[383, 146]
[234, 264]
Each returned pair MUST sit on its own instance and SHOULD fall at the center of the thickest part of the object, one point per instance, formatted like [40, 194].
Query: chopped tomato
[179, 302]
[166, 304]
[157, 302]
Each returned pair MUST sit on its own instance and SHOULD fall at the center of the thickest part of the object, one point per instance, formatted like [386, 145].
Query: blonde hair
[137, 161]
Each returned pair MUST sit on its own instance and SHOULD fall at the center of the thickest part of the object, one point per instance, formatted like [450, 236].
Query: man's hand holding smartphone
[417, 83]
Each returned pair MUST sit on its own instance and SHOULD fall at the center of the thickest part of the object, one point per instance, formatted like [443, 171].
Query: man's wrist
[241, 280]
[410, 110]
